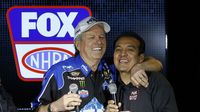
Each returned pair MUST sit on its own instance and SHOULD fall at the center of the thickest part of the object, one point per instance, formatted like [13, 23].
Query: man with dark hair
[157, 97]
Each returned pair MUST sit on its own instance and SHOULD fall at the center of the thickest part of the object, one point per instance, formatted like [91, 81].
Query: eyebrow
[129, 45]
[133, 46]
[92, 33]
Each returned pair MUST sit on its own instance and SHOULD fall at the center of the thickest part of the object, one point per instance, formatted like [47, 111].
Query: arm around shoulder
[151, 64]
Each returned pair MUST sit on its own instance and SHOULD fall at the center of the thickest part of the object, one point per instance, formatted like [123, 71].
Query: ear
[77, 44]
[141, 58]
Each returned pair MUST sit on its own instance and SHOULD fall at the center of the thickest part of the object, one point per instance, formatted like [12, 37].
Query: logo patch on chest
[75, 74]
[83, 93]
[133, 95]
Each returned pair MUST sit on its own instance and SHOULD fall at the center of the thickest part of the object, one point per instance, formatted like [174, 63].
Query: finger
[142, 78]
[68, 100]
[111, 102]
[69, 92]
[74, 103]
[119, 104]
[144, 75]
[113, 110]
[110, 108]
[138, 80]
[113, 106]
[134, 81]
[71, 95]
[69, 107]
[77, 100]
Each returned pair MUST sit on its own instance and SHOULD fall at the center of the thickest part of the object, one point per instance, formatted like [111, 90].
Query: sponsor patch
[133, 95]
[83, 93]
[82, 84]
[75, 78]
[75, 74]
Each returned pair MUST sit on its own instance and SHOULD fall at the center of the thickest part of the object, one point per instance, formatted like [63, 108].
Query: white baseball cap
[88, 23]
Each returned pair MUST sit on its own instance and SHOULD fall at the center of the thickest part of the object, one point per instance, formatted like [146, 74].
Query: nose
[123, 53]
[99, 40]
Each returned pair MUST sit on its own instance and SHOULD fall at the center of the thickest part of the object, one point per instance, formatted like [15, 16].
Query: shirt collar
[122, 83]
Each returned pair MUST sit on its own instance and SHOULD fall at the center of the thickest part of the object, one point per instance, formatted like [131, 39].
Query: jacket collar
[86, 70]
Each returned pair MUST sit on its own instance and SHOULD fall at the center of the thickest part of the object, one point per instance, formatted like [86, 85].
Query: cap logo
[91, 20]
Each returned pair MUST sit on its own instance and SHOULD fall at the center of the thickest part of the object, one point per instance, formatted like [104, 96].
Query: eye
[132, 49]
[117, 49]
[102, 36]
[91, 37]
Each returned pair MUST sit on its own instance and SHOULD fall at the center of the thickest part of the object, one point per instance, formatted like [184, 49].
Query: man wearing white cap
[87, 72]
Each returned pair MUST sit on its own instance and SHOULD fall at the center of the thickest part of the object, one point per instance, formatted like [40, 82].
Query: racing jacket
[92, 86]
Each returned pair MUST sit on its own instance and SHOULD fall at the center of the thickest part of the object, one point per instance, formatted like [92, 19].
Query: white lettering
[58, 56]
[54, 25]
[67, 23]
[46, 61]
[35, 60]
[48, 24]
[26, 24]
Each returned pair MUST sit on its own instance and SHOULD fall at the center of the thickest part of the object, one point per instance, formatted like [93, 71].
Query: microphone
[113, 90]
[74, 88]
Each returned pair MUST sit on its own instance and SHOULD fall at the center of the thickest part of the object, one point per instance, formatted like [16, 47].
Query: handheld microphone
[74, 88]
[113, 90]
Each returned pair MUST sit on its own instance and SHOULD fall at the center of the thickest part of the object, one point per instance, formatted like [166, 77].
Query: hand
[66, 102]
[112, 107]
[138, 76]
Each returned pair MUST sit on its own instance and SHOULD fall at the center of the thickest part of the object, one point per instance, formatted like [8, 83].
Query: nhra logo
[39, 60]
[42, 36]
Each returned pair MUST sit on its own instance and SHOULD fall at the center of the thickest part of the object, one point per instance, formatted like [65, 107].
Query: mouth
[97, 49]
[123, 61]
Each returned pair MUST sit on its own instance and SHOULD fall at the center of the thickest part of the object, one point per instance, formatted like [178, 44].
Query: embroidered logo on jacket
[133, 95]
